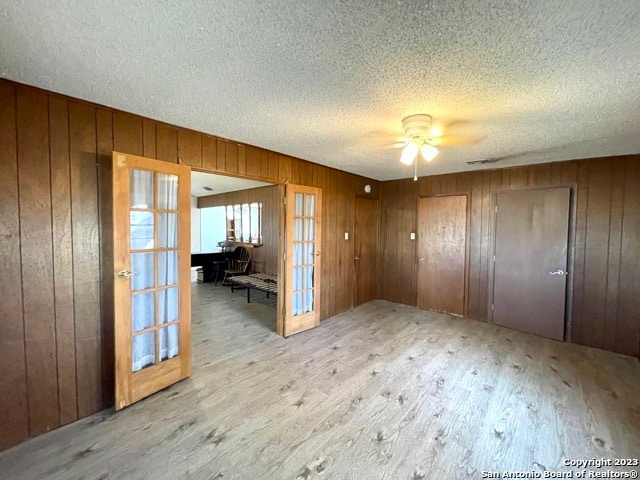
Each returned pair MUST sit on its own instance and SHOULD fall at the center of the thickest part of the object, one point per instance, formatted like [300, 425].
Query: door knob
[356, 258]
[317, 254]
[124, 273]
[421, 259]
[558, 272]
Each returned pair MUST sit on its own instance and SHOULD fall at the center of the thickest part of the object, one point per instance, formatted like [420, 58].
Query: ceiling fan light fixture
[409, 153]
[428, 152]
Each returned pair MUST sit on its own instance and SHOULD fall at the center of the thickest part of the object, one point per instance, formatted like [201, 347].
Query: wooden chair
[238, 263]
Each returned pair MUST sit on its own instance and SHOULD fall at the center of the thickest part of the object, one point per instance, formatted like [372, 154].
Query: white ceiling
[220, 184]
[330, 81]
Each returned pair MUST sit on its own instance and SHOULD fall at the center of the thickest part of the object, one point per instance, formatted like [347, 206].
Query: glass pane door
[304, 253]
[154, 245]
[303, 238]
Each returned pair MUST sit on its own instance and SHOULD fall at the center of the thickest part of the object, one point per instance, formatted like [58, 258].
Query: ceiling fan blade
[457, 140]
[400, 143]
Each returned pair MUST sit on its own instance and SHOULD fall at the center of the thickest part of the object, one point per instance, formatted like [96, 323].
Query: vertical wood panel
[14, 412]
[231, 157]
[189, 147]
[254, 167]
[127, 133]
[209, 152]
[628, 334]
[37, 259]
[63, 258]
[166, 143]
[104, 145]
[613, 261]
[86, 249]
[596, 255]
[148, 138]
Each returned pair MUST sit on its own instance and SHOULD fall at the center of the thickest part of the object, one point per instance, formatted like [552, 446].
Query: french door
[151, 232]
[303, 235]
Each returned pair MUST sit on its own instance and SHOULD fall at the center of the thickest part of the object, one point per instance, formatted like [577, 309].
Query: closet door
[530, 272]
[442, 253]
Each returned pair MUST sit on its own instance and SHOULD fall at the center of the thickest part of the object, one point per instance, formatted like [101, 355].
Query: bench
[260, 281]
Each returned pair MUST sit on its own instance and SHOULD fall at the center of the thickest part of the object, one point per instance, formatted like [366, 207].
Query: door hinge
[492, 307]
[284, 256]
[496, 208]
[285, 201]
[494, 259]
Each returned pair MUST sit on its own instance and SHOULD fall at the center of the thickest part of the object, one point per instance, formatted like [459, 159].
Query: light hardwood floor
[384, 391]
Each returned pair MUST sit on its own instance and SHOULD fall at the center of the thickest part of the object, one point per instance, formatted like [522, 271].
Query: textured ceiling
[330, 81]
[219, 184]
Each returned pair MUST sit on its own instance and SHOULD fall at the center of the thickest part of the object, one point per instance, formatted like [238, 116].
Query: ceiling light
[409, 153]
[428, 152]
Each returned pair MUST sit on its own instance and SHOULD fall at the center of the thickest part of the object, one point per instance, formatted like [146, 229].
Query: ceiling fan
[421, 136]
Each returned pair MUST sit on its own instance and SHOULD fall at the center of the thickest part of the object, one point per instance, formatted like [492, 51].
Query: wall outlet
[412, 236]
[346, 235]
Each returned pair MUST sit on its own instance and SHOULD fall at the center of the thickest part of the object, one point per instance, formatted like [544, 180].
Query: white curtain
[143, 314]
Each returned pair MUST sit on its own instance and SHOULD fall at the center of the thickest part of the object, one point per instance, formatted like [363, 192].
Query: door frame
[466, 244]
[568, 302]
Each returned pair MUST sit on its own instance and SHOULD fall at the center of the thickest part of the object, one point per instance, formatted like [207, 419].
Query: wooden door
[151, 225]
[365, 241]
[530, 263]
[442, 253]
[303, 235]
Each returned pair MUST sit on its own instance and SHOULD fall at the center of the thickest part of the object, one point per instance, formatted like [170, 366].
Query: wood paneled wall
[264, 257]
[56, 316]
[606, 257]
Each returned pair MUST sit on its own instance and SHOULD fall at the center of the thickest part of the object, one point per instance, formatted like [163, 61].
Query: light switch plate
[413, 236]
[346, 235]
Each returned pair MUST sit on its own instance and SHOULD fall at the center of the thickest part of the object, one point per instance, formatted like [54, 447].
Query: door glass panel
[168, 342]
[167, 268]
[142, 269]
[141, 188]
[308, 277]
[310, 208]
[308, 301]
[309, 229]
[297, 303]
[142, 311]
[297, 253]
[167, 191]
[167, 230]
[143, 350]
[299, 205]
[141, 230]
[167, 305]
[297, 278]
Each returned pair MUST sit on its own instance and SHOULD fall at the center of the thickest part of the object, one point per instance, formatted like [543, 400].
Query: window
[244, 223]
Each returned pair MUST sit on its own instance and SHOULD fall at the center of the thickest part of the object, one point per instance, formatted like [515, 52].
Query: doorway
[530, 260]
[365, 239]
[234, 249]
[442, 254]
